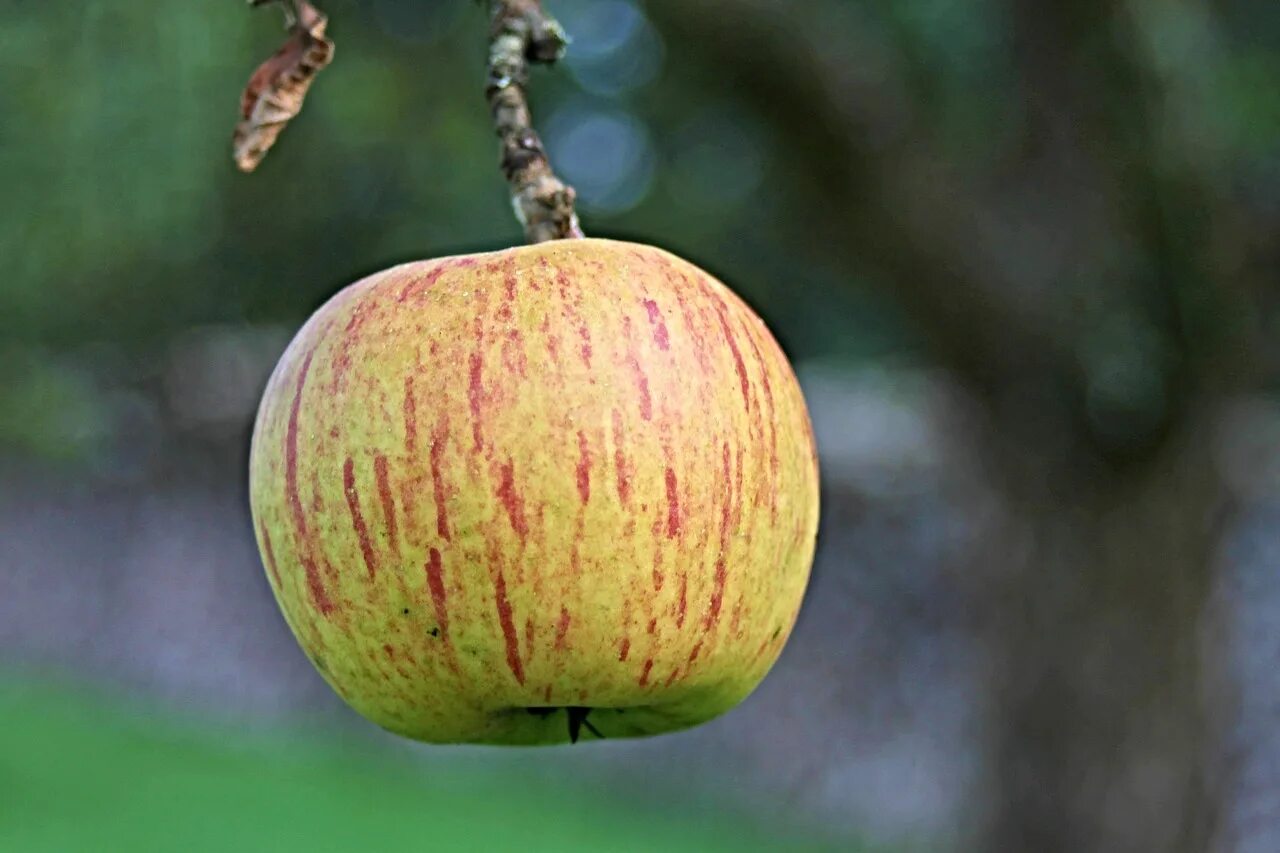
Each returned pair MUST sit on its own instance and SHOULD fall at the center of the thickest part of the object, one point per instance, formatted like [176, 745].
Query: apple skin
[574, 475]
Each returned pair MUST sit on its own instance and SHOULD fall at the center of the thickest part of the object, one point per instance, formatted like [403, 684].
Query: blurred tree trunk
[1098, 591]
[1106, 732]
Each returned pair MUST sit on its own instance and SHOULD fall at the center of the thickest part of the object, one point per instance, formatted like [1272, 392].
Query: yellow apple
[506, 497]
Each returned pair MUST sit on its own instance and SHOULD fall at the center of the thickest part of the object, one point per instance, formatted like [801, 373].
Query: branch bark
[522, 33]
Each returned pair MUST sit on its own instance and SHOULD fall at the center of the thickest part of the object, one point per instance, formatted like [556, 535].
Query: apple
[507, 498]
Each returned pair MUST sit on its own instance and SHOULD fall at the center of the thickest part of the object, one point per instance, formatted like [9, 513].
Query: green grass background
[80, 772]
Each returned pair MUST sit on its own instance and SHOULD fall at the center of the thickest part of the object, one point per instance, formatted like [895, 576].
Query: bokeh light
[606, 153]
[616, 50]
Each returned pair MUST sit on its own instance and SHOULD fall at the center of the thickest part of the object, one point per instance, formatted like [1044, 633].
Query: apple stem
[522, 33]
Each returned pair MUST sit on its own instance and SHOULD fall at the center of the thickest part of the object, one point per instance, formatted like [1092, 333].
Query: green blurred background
[1024, 254]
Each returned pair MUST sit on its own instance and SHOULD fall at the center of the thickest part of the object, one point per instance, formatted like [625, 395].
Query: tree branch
[523, 33]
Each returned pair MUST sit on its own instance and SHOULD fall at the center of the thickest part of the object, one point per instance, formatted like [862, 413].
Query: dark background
[1023, 253]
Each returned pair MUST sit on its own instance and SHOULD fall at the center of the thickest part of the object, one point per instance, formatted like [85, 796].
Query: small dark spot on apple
[405, 611]
[435, 632]
[776, 632]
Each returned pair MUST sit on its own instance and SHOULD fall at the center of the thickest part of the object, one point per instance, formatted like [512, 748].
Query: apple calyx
[577, 717]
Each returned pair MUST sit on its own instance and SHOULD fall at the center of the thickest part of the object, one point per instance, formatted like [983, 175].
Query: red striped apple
[504, 497]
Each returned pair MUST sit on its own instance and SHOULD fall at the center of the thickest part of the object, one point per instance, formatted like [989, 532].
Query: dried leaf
[277, 89]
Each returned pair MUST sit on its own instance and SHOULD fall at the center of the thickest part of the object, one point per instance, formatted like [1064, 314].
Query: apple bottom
[537, 725]
[548, 726]
[454, 720]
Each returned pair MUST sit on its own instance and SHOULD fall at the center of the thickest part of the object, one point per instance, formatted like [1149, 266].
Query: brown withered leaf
[277, 89]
